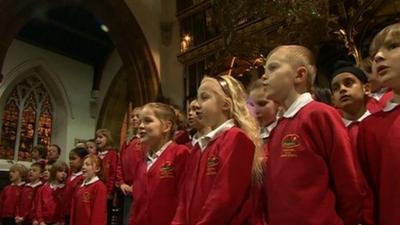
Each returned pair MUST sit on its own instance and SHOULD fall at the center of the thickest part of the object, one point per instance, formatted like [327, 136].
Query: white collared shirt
[379, 94]
[56, 186]
[102, 154]
[19, 184]
[347, 122]
[195, 138]
[152, 159]
[206, 139]
[266, 131]
[33, 185]
[91, 181]
[390, 106]
[295, 107]
[75, 175]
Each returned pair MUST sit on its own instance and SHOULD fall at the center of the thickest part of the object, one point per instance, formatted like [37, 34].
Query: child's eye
[393, 45]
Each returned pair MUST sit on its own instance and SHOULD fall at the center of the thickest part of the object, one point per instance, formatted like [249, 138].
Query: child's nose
[379, 56]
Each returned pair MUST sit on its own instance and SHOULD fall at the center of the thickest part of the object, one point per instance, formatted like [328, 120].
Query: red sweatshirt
[26, 208]
[110, 163]
[311, 178]
[376, 104]
[156, 187]
[218, 184]
[182, 137]
[89, 204]
[378, 145]
[50, 203]
[71, 185]
[9, 199]
[130, 155]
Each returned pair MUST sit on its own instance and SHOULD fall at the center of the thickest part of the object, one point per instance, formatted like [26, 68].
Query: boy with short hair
[379, 136]
[310, 177]
[379, 95]
[350, 94]
[350, 89]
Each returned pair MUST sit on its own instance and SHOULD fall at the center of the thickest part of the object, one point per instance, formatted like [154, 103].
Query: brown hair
[41, 165]
[384, 37]
[108, 135]
[58, 166]
[164, 113]
[41, 149]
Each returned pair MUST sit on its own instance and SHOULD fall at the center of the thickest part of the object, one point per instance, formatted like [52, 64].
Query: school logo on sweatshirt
[290, 144]
[212, 165]
[86, 197]
[167, 170]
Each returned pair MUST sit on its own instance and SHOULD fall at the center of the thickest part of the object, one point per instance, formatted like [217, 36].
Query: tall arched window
[27, 120]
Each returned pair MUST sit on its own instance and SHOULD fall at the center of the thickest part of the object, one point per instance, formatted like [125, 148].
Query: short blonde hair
[386, 34]
[22, 170]
[298, 55]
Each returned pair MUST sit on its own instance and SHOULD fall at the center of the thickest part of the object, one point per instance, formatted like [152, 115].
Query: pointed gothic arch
[36, 75]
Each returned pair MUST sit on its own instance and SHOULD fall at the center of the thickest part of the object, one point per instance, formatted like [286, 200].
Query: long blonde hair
[236, 97]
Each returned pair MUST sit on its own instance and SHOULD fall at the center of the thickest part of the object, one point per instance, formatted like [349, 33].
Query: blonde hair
[298, 55]
[108, 135]
[22, 170]
[235, 95]
[384, 37]
[164, 112]
[58, 166]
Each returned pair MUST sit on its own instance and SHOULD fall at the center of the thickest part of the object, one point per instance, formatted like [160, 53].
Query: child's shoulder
[233, 134]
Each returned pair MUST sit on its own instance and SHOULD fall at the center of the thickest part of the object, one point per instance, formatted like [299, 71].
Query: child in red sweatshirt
[310, 176]
[158, 177]
[11, 194]
[49, 208]
[26, 208]
[379, 134]
[89, 203]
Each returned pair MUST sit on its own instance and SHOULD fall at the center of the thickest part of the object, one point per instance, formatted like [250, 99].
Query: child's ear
[226, 106]
[367, 88]
[167, 126]
[301, 75]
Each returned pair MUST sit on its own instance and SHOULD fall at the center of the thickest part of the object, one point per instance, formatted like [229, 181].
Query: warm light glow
[186, 42]
[104, 28]
[187, 38]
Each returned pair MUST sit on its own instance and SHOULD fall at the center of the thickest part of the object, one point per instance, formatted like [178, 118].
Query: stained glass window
[27, 120]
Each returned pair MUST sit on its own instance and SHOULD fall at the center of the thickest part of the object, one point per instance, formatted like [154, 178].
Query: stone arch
[125, 32]
[60, 101]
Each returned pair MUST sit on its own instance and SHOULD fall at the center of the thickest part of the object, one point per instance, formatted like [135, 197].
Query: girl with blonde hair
[226, 162]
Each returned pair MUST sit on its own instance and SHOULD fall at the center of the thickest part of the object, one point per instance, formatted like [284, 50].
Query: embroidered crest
[86, 197]
[167, 170]
[212, 165]
[290, 144]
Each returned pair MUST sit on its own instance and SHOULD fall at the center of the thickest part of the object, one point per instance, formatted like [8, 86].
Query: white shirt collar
[206, 139]
[295, 107]
[19, 184]
[102, 154]
[56, 186]
[266, 131]
[378, 95]
[152, 159]
[390, 106]
[75, 175]
[196, 137]
[91, 181]
[33, 185]
[349, 122]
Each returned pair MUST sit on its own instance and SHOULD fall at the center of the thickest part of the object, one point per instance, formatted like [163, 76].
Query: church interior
[71, 67]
